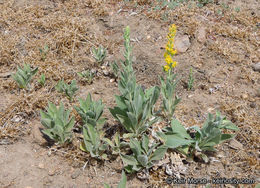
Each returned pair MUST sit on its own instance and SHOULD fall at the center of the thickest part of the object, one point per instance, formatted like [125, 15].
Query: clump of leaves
[44, 51]
[58, 126]
[135, 112]
[201, 139]
[86, 76]
[93, 141]
[170, 99]
[191, 80]
[91, 111]
[99, 54]
[143, 155]
[42, 80]
[24, 75]
[69, 90]
[122, 183]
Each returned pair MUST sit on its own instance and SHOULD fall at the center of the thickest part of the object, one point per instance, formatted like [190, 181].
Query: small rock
[148, 37]
[182, 43]
[112, 80]
[41, 166]
[139, 37]
[256, 67]
[210, 109]
[230, 68]
[36, 133]
[235, 144]
[105, 72]
[244, 96]
[76, 174]
[201, 34]
[252, 104]
[103, 67]
[52, 172]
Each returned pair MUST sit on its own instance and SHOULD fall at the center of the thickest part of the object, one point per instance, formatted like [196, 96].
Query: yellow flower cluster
[170, 51]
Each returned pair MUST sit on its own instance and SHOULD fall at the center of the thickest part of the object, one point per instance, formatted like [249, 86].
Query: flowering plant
[170, 51]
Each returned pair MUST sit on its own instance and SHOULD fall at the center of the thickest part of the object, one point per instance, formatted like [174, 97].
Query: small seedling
[24, 76]
[143, 154]
[91, 111]
[191, 80]
[93, 142]
[42, 80]
[43, 52]
[86, 76]
[99, 54]
[58, 126]
[69, 90]
[237, 9]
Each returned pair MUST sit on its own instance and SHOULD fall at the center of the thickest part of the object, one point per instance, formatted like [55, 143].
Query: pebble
[41, 166]
[76, 174]
[244, 96]
[52, 172]
[230, 68]
[210, 109]
[201, 34]
[36, 133]
[112, 80]
[105, 72]
[253, 105]
[235, 144]
[182, 43]
[256, 67]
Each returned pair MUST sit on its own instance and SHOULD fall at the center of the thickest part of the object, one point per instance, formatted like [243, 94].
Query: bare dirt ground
[220, 41]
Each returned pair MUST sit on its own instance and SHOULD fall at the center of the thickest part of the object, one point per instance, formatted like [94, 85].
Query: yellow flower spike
[166, 68]
[170, 51]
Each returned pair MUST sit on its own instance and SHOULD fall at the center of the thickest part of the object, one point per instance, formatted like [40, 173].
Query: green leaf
[143, 160]
[225, 137]
[135, 147]
[145, 143]
[159, 153]
[122, 183]
[226, 124]
[177, 128]
[174, 141]
[128, 160]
